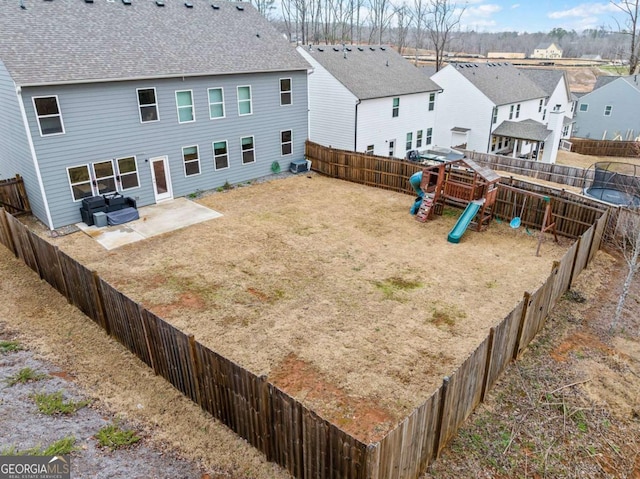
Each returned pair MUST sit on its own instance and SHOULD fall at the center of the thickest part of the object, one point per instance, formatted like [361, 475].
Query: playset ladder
[424, 212]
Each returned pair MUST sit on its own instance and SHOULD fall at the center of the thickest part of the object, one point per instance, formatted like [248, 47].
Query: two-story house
[369, 99]
[555, 84]
[492, 108]
[611, 110]
[547, 51]
[152, 99]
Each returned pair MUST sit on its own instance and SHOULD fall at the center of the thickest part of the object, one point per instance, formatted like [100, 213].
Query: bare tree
[631, 9]
[419, 19]
[380, 15]
[404, 19]
[265, 7]
[443, 18]
[627, 241]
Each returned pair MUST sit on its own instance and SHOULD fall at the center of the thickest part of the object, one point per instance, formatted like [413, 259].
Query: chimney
[551, 144]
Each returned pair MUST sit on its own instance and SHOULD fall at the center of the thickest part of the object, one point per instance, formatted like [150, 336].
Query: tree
[265, 7]
[443, 18]
[627, 241]
[630, 8]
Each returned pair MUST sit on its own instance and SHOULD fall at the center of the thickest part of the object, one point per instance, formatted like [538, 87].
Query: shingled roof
[501, 82]
[69, 41]
[545, 78]
[530, 130]
[372, 71]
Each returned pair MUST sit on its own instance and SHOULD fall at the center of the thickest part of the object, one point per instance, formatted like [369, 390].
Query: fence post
[35, 255]
[525, 307]
[7, 230]
[196, 367]
[145, 330]
[487, 363]
[102, 315]
[443, 399]
[575, 257]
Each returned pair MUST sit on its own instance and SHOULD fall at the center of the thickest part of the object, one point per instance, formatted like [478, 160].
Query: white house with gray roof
[611, 111]
[369, 99]
[153, 99]
[492, 108]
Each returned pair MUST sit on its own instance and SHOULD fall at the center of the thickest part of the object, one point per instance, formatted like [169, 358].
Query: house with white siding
[494, 108]
[369, 99]
[547, 50]
[150, 99]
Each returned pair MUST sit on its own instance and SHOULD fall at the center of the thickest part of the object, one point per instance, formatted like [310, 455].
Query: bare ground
[330, 288]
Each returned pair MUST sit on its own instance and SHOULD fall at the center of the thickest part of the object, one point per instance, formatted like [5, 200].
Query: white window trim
[428, 138]
[610, 110]
[408, 141]
[586, 105]
[253, 142]
[33, 100]
[290, 91]
[224, 110]
[282, 143]
[93, 189]
[213, 148]
[96, 179]
[119, 175]
[193, 107]
[432, 103]
[419, 136]
[155, 95]
[184, 163]
[250, 100]
[393, 108]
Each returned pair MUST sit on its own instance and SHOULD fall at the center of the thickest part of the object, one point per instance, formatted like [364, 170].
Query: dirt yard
[331, 289]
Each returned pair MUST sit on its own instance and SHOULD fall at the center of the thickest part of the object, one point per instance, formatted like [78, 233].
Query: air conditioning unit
[299, 166]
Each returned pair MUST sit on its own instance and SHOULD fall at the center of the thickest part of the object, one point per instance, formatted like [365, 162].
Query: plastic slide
[415, 181]
[463, 222]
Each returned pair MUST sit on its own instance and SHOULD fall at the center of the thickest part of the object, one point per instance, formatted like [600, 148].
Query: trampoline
[615, 182]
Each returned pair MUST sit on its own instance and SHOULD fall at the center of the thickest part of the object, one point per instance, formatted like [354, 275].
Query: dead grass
[338, 274]
[585, 161]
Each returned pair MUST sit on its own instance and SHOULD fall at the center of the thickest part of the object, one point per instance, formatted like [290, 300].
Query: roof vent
[320, 49]
[188, 4]
[160, 3]
[383, 48]
[348, 49]
[88, 1]
[336, 49]
[126, 2]
[239, 7]
[360, 49]
[372, 49]
[215, 7]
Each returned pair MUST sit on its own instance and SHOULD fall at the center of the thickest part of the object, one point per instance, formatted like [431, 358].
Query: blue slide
[463, 222]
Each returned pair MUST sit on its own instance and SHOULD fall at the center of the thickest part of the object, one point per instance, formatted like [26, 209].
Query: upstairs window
[396, 107]
[285, 91]
[584, 107]
[216, 103]
[184, 103]
[244, 100]
[511, 108]
[147, 105]
[540, 105]
[607, 110]
[49, 116]
[432, 101]
[518, 110]
[248, 150]
[494, 118]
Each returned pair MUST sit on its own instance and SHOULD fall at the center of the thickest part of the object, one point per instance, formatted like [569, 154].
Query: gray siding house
[151, 99]
[610, 111]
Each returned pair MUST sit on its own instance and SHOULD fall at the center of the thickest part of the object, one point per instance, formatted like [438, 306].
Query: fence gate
[13, 196]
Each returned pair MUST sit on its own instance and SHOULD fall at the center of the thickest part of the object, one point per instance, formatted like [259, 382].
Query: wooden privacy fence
[574, 214]
[285, 430]
[629, 149]
[13, 196]
[566, 175]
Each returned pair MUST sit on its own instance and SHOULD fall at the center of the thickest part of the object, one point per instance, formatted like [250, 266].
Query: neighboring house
[547, 50]
[555, 84]
[493, 108]
[507, 55]
[610, 110]
[369, 99]
[151, 99]
[592, 57]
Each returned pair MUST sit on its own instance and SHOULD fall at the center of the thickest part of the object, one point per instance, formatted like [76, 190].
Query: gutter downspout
[355, 133]
[34, 157]
[493, 112]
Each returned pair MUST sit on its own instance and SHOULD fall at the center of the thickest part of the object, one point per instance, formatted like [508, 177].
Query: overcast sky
[540, 15]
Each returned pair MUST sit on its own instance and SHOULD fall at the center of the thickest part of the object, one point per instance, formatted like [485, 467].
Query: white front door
[161, 179]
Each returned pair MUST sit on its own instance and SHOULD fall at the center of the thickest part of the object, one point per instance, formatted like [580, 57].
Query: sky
[538, 15]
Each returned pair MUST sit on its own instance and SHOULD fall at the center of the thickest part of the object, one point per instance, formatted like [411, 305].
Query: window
[220, 155]
[285, 91]
[518, 110]
[607, 110]
[409, 142]
[565, 130]
[494, 119]
[248, 150]
[286, 142]
[147, 105]
[511, 112]
[216, 103]
[49, 117]
[127, 173]
[105, 177]
[191, 160]
[584, 107]
[432, 101]
[392, 147]
[544, 114]
[427, 141]
[418, 138]
[184, 102]
[369, 150]
[540, 105]
[396, 107]
[80, 182]
[244, 100]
